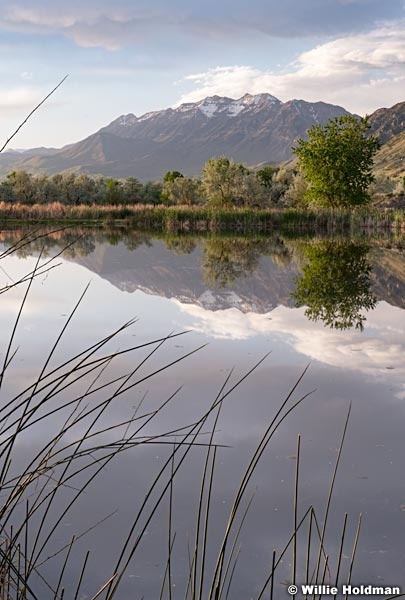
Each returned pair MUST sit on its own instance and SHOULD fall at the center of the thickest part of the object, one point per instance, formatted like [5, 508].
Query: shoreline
[179, 219]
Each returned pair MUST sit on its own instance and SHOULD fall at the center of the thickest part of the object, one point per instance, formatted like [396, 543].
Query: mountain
[386, 123]
[390, 159]
[253, 129]
[389, 125]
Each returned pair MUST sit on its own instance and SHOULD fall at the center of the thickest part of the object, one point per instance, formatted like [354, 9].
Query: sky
[136, 56]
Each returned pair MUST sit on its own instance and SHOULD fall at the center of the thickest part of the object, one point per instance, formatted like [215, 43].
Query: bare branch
[31, 113]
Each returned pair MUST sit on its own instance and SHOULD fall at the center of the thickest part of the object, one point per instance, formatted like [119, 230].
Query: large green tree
[337, 161]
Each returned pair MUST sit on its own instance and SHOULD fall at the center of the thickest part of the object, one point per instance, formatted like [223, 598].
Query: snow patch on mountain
[209, 107]
[150, 115]
[127, 120]
[235, 108]
[314, 114]
[217, 105]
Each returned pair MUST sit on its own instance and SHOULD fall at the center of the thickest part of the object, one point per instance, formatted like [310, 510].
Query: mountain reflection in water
[337, 303]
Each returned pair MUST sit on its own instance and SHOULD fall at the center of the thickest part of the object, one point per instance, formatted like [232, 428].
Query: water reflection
[335, 285]
[337, 280]
[226, 260]
[162, 282]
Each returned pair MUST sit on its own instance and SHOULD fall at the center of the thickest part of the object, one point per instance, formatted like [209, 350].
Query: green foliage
[182, 190]
[265, 175]
[132, 189]
[72, 189]
[114, 191]
[222, 179]
[151, 193]
[21, 184]
[337, 161]
[294, 195]
[226, 184]
[335, 285]
[171, 176]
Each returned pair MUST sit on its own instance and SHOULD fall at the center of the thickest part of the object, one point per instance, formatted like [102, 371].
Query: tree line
[333, 168]
[223, 184]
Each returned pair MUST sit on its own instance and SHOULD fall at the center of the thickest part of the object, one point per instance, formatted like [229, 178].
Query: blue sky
[137, 56]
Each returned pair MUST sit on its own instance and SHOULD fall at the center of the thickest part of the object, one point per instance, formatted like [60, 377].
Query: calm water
[337, 306]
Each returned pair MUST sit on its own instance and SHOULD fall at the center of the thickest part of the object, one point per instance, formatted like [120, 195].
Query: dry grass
[199, 219]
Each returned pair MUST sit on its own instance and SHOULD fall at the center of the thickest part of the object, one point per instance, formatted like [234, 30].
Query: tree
[265, 175]
[132, 190]
[151, 193]
[294, 195]
[171, 176]
[114, 193]
[222, 180]
[23, 186]
[337, 161]
[182, 190]
[226, 183]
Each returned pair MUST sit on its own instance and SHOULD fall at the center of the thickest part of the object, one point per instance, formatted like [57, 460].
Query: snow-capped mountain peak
[209, 107]
[221, 105]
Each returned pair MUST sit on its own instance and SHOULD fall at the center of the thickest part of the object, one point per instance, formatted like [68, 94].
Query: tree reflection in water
[335, 285]
[228, 259]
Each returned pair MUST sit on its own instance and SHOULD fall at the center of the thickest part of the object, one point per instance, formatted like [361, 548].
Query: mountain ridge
[252, 129]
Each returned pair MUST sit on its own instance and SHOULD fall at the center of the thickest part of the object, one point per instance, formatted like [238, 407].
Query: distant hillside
[389, 125]
[388, 122]
[253, 130]
[390, 159]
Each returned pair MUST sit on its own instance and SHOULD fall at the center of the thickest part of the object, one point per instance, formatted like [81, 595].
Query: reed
[178, 219]
[77, 392]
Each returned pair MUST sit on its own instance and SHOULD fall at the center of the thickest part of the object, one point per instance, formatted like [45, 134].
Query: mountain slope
[253, 129]
[389, 125]
[388, 122]
[390, 159]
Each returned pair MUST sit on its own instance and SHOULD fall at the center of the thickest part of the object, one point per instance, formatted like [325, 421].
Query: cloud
[316, 17]
[86, 23]
[27, 75]
[28, 15]
[15, 99]
[113, 25]
[361, 72]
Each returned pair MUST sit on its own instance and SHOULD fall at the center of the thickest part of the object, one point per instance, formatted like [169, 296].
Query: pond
[318, 323]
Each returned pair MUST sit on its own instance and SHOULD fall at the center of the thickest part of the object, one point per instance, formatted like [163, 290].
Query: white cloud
[43, 17]
[15, 99]
[89, 23]
[110, 27]
[361, 72]
[27, 75]
[233, 81]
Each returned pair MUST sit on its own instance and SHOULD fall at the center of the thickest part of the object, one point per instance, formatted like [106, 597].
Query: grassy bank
[201, 219]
